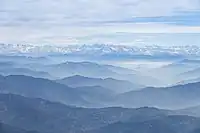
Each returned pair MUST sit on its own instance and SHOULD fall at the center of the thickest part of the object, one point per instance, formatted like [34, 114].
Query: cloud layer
[80, 21]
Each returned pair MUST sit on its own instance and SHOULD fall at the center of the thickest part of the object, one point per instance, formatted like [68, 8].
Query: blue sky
[128, 22]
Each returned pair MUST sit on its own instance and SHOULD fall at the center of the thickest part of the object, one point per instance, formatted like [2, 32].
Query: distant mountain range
[110, 83]
[59, 67]
[38, 115]
[23, 66]
[177, 71]
[40, 88]
[95, 70]
[98, 93]
[99, 89]
[23, 71]
[83, 96]
[174, 97]
[41, 115]
[106, 51]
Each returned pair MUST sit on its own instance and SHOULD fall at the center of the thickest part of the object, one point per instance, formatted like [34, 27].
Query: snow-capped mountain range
[102, 49]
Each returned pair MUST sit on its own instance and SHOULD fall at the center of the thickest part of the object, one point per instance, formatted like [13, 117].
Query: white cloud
[66, 21]
[100, 34]
[93, 10]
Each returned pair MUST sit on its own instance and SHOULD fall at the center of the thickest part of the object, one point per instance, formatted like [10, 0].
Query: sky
[124, 22]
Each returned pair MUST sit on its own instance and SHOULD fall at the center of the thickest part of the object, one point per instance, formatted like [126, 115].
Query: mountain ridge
[103, 49]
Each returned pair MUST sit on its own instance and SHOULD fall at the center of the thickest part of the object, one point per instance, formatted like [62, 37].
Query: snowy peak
[103, 49]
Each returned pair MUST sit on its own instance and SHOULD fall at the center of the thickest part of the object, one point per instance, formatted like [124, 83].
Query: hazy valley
[62, 92]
